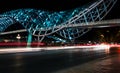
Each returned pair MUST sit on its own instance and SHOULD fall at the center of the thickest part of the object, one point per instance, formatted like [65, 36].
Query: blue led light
[5, 22]
[37, 21]
[42, 18]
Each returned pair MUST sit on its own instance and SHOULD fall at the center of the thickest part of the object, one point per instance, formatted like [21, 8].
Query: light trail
[39, 49]
[115, 45]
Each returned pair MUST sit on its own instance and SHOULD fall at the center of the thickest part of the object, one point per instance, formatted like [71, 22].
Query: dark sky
[42, 4]
[6, 5]
[115, 12]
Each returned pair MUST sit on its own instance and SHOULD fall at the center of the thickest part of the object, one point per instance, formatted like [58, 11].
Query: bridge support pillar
[29, 40]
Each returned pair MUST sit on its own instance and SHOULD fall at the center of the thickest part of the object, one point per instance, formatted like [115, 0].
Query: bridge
[68, 24]
[96, 24]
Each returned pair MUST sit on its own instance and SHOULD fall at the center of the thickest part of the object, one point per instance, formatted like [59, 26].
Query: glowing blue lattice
[5, 22]
[31, 18]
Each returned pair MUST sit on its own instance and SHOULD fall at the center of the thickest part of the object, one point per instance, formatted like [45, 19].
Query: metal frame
[42, 23]
[95, 12]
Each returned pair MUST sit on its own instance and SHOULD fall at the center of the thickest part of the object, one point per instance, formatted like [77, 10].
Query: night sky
[42, 4]
[115, 12]
[52, 5]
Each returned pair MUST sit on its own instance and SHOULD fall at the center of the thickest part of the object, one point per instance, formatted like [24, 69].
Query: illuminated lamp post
[18, 37]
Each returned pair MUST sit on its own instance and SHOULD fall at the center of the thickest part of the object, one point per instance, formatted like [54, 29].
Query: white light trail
[18, 50]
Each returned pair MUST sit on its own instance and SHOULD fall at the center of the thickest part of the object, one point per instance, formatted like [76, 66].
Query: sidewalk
[109, 64]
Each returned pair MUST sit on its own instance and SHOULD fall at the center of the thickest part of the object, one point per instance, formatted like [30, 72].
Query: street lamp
[18, 37]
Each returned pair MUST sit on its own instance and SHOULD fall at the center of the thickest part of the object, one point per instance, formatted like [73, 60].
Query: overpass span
[96, 24]
[42, 23]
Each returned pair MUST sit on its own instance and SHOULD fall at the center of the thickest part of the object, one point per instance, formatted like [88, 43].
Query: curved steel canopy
[42, 23]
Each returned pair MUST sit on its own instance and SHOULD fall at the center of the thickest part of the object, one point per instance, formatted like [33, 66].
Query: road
[48, 61]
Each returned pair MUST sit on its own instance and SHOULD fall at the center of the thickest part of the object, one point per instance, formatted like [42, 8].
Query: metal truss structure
[42, 23]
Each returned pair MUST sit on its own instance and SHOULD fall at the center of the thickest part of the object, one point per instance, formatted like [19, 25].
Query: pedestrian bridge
[68, 24]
